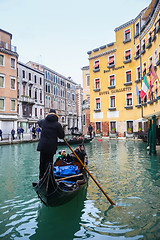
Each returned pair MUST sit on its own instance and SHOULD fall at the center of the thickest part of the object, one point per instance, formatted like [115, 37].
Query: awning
[127, 31]
[112, 77]
[127, 53]
[111, 59]
[98, 100]
[129, 96]
[97, 80]
[96, 65]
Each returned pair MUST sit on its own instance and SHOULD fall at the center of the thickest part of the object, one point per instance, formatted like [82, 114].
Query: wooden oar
[60, 179]
[89, 173]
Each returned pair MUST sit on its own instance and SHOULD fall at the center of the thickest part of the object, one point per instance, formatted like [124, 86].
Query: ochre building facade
[116, 75]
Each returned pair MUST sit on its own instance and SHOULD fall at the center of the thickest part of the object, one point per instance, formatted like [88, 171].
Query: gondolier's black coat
[51, 129]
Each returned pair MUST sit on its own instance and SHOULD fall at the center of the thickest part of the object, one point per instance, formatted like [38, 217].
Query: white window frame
[114, 80]
[95, 83]
[15, 83]
[2, 75]
[138, 73]
[126, 76]
[113, 55]
[114, 101]
[127, 39]
[87, 76]
[14, 64]
[95, 103]
[132, 99]
[95, 63]
[110, 125]
[155, 56]
[138, 23]
[3, 60]
[12, 99]
[125, 54]
[1, 98]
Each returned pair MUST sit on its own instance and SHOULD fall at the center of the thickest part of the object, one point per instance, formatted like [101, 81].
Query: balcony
[8, 46]
[27, 99]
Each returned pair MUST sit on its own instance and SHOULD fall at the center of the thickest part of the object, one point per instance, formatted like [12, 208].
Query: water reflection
[129, 176]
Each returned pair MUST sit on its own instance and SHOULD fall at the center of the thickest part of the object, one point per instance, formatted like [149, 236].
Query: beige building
[86, 99]
[8, 84]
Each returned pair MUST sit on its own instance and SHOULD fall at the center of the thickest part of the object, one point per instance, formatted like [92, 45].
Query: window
[112, 80]
[98, 126]
[13, 104]
[40, 111]
[97, 83]
[137, 28]
[138, 73]
[13, 83]
[150, 37]
[144, 68]
[137, 50]
[35, 79]
[62, 82]
[35, 112]
[23, 73]
[1, 81]
[2, 104]
[127, 55]
[68, 95]
[150, 63]
[156, 89]
[97, 104]
[110, 60]
[40, 96]
[96, 65]
[112, 101]
[113, 126]
[40, 81]
[155, 57]
[129, 126]
[35, 95]
[1, 60]
[29, 76]
[24, 89]
[88, 80]
[143, 45]
[127, 35]
[84, 119]
[128, 77]
[129, 99]
[73, 97]
[13, 63]
[30, 92]
[68, 85]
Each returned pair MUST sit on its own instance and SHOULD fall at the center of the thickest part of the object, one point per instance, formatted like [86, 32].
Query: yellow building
[116, 74]
[8, 84]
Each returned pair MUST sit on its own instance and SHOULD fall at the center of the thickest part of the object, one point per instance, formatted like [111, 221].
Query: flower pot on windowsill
[129, 131]
[113, 131]
[98, 131]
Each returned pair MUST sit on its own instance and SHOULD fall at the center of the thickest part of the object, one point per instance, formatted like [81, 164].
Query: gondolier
[51, 130]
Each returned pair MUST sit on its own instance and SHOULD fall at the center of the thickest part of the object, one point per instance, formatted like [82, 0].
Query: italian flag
[144, 89]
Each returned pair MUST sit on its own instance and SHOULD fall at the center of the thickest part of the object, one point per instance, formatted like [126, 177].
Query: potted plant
[113, 130]
[98, 130]
[129, 130]
[139, 129]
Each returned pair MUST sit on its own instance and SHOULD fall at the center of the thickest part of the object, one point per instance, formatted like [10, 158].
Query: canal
[124, 170]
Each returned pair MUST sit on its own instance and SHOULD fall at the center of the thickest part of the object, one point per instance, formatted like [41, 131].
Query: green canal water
[125, 171]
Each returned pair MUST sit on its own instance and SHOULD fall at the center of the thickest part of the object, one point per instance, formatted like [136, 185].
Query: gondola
[55, 189]
[75, 140]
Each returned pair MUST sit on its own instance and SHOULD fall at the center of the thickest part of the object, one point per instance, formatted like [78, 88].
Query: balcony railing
[8, 46]
[27, 99]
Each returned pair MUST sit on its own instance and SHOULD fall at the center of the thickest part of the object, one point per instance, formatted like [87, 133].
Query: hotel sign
[117, 68]
[125, 89]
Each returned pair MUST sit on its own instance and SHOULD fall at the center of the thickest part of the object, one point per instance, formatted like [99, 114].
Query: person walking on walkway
[1, 134]
[19, 133]
[12, 133]
[47, 145]
[90, 129]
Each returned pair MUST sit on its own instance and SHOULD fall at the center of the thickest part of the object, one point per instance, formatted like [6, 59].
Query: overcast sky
[59, 33]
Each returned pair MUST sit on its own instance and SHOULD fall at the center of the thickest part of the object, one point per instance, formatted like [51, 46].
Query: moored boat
[55, 189]
[75, 140]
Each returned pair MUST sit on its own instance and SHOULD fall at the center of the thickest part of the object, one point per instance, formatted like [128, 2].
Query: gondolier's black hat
[52, 110]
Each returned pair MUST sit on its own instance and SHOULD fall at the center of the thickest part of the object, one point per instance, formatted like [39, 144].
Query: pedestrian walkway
[27, 138]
